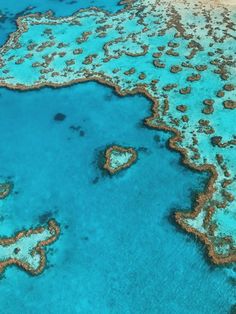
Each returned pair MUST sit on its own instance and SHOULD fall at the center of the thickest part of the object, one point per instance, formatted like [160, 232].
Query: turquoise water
[10, 10]
[119, 251]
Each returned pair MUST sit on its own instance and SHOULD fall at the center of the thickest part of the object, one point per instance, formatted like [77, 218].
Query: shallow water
[10, 10]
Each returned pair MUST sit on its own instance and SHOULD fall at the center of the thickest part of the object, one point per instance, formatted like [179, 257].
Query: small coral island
[25, 249]
[118, 158]
[5, 189]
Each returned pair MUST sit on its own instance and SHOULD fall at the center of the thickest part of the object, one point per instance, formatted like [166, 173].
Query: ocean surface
[120, 251]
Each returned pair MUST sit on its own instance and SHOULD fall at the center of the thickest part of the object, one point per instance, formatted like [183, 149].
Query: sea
[120, 250]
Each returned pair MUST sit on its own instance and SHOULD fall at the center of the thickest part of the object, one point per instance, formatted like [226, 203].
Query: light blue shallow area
[10, 10]
[119, 251]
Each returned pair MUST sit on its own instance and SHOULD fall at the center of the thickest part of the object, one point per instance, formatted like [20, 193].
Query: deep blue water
[119, 251]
